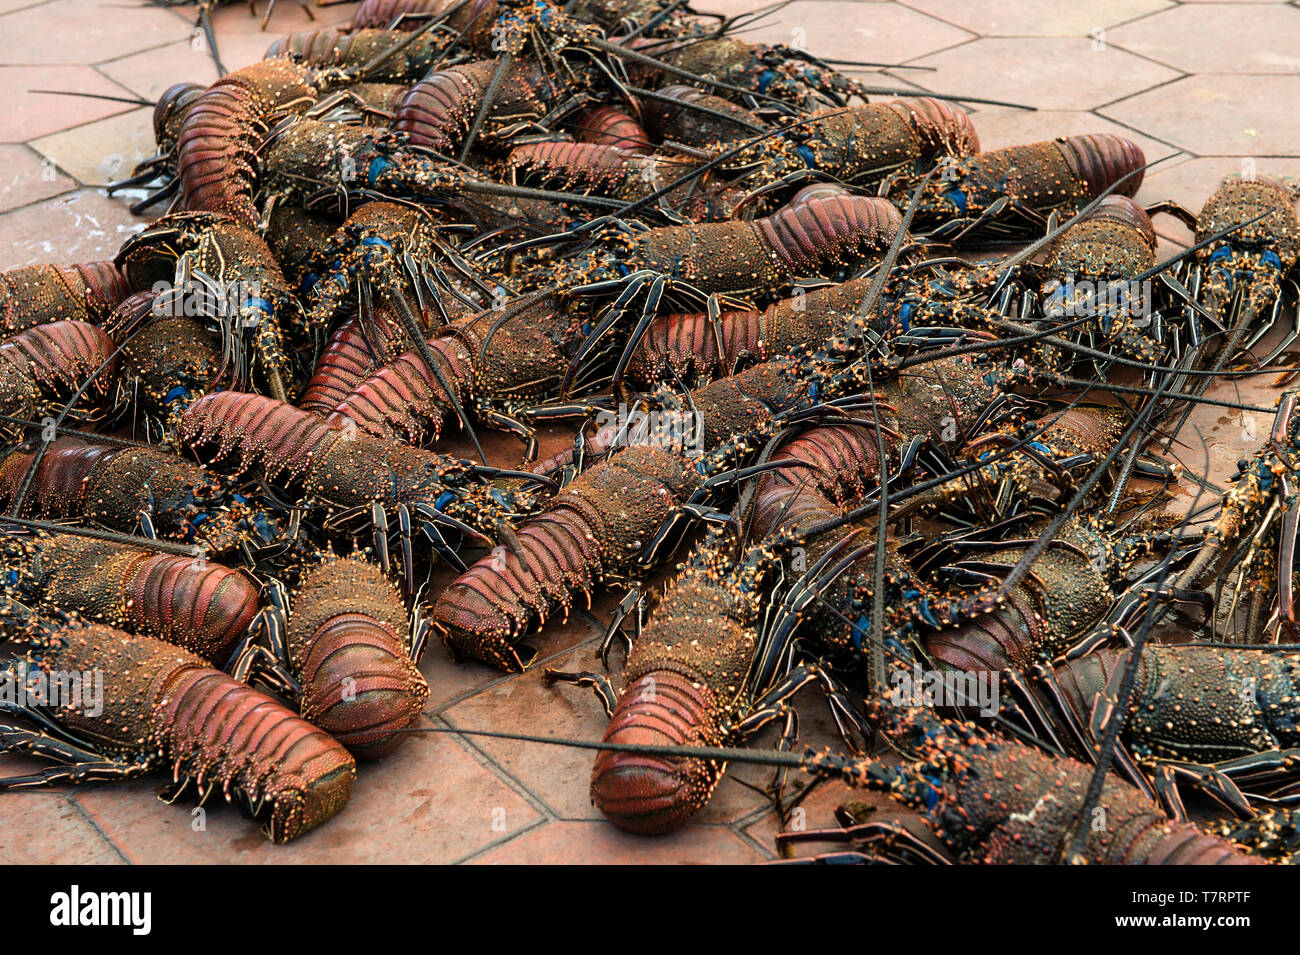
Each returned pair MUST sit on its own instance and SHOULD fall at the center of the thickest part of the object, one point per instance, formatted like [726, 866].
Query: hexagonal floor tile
[1219, 115]
[45, 828]
[80, 226]
[557, 775]
[103, 152]
[429, 802]
[1035, 18]
[598, 843]
[29, 115]
[91, 29]
[1033, 72]
[879, 33]
[1191, 39]
[1011, 127]
[27, 177]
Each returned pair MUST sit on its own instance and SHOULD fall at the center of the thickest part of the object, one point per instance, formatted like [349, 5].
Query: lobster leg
[1210, 781]
[599, 684]
[632, 602]
[898, 843]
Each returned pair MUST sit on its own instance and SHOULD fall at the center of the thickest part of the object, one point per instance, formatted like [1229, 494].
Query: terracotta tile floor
[1212, 85]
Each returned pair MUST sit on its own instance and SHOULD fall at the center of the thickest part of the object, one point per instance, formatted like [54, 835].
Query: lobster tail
[942, 128]
[405, 395]
[217, 159]
[345, 638]
[834, 229]
[1011, 637]
[65, 353]
[286, 437]
[202, 607]
[646, 793]
[164, 703]
[344, 363]
[610, 126]
[438, 110]
[1100, 159]
[36, 294]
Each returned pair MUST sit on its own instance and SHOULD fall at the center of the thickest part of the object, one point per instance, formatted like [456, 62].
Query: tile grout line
[484, 759]
[81, 810]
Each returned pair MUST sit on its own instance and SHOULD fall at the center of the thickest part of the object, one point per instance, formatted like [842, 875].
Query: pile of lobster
[894, 402]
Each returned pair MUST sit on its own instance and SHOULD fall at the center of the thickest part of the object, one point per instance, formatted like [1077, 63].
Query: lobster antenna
[382, 58]
[655, 20]
[1066, 381]
[413, 329]
[949, 97]
[88, 435]
[114, 99]
[1077, 832]
[489, 188]
[1012, 261]
[888, 66]
[697, 108]
[887, 263]
[113, 537]
[870, 508]
[615, 49]
[204, 21]
[504, 65]
[876, 665]
[1036, 549]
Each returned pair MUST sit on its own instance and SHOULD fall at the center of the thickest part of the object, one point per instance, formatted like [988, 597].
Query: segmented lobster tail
[217, 160]
[200, 606]
[282, 437]
[942, 128]
[404, 397]
[488, 608]
[475, 18]
[438, 110]
[818, 231]
[680, 681]
[170, 110]
[598, 524]
[36, 294]
[347, 641]
[1011, 637]
[585, 165]
[61, 353]
[344, 363]
[843, 460]
[646, 793]
[1100, 159]
[1124, 210]
[611, 126]
[276, 757]
[164, 707]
